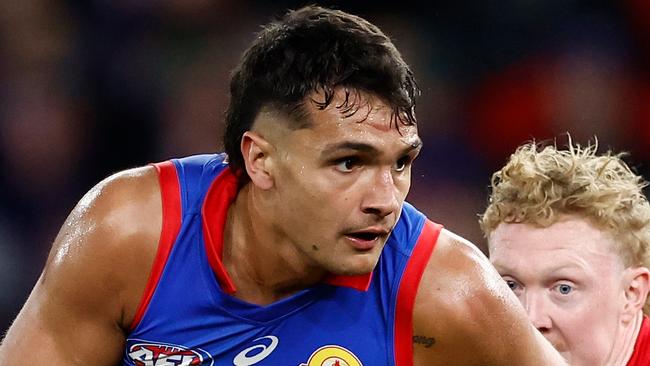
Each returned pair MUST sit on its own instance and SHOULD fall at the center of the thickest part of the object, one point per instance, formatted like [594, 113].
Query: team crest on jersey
[144, 353]
[332, 356]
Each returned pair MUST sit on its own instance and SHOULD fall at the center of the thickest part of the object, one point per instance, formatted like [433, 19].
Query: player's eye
[564, 288]
[401, 164]
[512, 284]
[515, 286]
[346, 165]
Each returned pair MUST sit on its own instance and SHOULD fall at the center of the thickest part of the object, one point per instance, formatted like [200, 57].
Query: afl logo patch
[332, 356]
[144, 353]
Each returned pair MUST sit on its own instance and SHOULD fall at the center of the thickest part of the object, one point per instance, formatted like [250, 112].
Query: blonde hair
[539, 184]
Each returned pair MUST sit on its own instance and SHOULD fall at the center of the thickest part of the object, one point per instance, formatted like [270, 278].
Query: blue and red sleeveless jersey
[188, 315]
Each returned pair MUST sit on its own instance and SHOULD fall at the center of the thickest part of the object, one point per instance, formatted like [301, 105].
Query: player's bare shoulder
[112, 235]
[461, 271]
[465, 312]
[450, 300]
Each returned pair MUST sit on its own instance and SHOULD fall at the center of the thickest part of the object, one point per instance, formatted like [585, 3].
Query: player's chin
[355, 264]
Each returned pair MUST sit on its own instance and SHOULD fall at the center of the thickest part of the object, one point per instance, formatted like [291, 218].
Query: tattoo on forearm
[426, 341]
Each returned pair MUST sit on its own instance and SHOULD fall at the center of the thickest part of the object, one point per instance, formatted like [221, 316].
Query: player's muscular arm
[96, 272]
[464, 314]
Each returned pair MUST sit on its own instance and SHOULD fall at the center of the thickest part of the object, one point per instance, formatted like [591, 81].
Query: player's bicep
[443, 327]
[50, 330]
[71, 312]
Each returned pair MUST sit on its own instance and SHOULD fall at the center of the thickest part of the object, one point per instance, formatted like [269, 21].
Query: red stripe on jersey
[408, 288]
[171, 223]
[221, 194]
[358, 282]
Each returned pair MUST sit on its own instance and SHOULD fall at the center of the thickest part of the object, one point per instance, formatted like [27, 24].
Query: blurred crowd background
[88, 88]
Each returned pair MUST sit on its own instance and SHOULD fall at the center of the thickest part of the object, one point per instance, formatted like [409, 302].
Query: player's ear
[637, 286]
[256, 152]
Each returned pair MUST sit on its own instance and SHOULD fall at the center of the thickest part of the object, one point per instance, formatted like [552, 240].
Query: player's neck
[625, 341]
[263, 265]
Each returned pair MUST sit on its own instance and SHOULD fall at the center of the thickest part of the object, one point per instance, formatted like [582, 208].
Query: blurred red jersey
[641, 355]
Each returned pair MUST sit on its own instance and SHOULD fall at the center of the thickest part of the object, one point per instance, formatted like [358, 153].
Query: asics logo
[256, 353]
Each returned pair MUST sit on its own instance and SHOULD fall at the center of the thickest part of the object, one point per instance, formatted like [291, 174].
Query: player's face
[341, 182]
[570, 281]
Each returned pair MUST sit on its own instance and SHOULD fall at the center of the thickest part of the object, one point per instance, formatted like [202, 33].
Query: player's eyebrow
[349, 145]
[364, 147]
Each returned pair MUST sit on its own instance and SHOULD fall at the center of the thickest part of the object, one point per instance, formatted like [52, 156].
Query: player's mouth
[366, 239]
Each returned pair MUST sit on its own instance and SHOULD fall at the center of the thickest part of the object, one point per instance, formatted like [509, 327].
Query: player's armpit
[470, 315]
[93, 279]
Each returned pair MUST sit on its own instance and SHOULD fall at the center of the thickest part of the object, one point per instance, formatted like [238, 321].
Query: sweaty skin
[358, 167]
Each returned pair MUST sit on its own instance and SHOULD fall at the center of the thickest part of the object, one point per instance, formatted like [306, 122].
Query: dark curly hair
[315, 49]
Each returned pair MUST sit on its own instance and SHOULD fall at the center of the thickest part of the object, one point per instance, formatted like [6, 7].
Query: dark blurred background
[88, 88]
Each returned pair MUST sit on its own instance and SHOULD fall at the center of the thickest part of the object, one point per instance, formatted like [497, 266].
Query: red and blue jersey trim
[408, 290]
[220, 195]
[171, 224]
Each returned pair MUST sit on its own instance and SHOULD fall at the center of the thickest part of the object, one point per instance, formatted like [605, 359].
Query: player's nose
[539, 310]
[382, 197]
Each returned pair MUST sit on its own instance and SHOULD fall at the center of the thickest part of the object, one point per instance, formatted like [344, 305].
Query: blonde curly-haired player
[569, 231]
